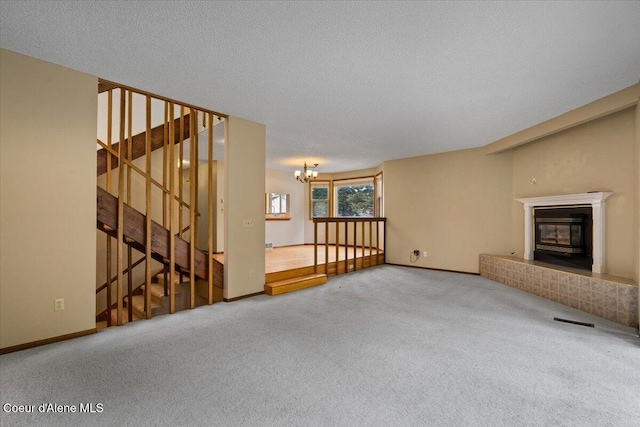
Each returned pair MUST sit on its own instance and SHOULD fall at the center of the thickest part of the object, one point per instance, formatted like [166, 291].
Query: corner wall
[48, 198]
[596, 156]
[454, 205]
[244, 259]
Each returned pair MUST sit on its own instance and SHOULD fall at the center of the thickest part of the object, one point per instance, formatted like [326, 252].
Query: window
[354, 197]
[319, 199]
[277, 203]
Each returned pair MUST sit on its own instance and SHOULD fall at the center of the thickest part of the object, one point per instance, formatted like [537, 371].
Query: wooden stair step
[157, 293]
[176, 279]
[138, 306]
[294, 284]
[125, 316]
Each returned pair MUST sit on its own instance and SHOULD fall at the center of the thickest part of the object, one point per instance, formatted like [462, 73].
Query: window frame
[321, 183]
[378, 194]
[363, 180]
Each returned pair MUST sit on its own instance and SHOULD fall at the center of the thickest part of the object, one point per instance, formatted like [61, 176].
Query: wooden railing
[370, 242]
[179, 205]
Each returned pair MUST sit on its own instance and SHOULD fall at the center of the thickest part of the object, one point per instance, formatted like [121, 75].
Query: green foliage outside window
[320, 202]
[355, 200]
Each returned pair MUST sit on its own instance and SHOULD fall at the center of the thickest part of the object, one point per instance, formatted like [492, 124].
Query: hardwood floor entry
[300, 256]
[291, 268]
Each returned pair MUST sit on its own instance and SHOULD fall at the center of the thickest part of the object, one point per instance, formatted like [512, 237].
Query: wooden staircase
[178, 136]
[134, 231]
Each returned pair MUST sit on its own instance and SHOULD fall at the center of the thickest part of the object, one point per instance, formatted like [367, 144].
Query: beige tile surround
[609, 297]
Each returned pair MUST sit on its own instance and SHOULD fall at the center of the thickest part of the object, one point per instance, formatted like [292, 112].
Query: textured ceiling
[348, 85]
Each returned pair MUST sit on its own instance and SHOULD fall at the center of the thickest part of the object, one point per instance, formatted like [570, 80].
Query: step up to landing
[294, 284]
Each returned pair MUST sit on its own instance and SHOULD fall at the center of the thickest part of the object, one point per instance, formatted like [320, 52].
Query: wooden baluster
[120, 230]
[326, 248]
[108, 188]
[165, 141]
[362, 243]
[128, 170]
[210, 208]
[193, 161]
[370, 243]
[172, 212]
[108, 280]
[181, 172]
[109, 141]
[384, 238]
[337, 246]
[377, 242]
[355, 245]
[195, 165]
[315, 247]
[147, 267]
[346, 246]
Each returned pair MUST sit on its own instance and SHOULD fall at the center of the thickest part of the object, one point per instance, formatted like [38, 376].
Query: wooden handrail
[351, 219]
[109, 85]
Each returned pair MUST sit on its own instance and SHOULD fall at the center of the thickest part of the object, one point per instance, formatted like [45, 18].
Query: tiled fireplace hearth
[608, 297]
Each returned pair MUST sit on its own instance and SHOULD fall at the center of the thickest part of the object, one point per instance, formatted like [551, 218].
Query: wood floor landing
[294, 264]
[301, 256]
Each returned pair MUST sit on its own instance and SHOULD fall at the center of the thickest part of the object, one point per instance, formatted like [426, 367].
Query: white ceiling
[348, 84]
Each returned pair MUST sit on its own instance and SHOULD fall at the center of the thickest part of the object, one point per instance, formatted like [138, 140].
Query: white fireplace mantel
[595, 199]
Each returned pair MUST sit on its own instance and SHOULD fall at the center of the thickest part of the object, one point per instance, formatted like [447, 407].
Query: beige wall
[595, 156]
[244, 200]
[47, 194]
[284, 233]
[454, 205]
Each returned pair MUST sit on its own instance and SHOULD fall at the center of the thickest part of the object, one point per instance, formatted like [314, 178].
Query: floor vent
[574, 322]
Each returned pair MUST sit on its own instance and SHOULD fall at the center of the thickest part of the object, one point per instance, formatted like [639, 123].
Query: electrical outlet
[251, 272]
[248, 223]
[425, 253]
[58, 305]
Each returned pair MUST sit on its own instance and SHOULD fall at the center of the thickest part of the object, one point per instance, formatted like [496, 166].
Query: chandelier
[307, 174]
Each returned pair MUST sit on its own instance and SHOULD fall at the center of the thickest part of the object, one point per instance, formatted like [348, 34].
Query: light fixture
[307, 174]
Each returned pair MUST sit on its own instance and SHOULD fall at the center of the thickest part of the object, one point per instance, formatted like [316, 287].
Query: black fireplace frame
[569, 236]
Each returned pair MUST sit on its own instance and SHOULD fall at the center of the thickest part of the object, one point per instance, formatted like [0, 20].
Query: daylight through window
[319, 199]
[354, 198]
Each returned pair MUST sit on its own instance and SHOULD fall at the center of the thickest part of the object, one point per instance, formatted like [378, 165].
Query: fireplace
[563, 236]
[595, 200]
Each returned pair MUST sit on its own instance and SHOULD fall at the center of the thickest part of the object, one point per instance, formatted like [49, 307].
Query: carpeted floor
[387, 346]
